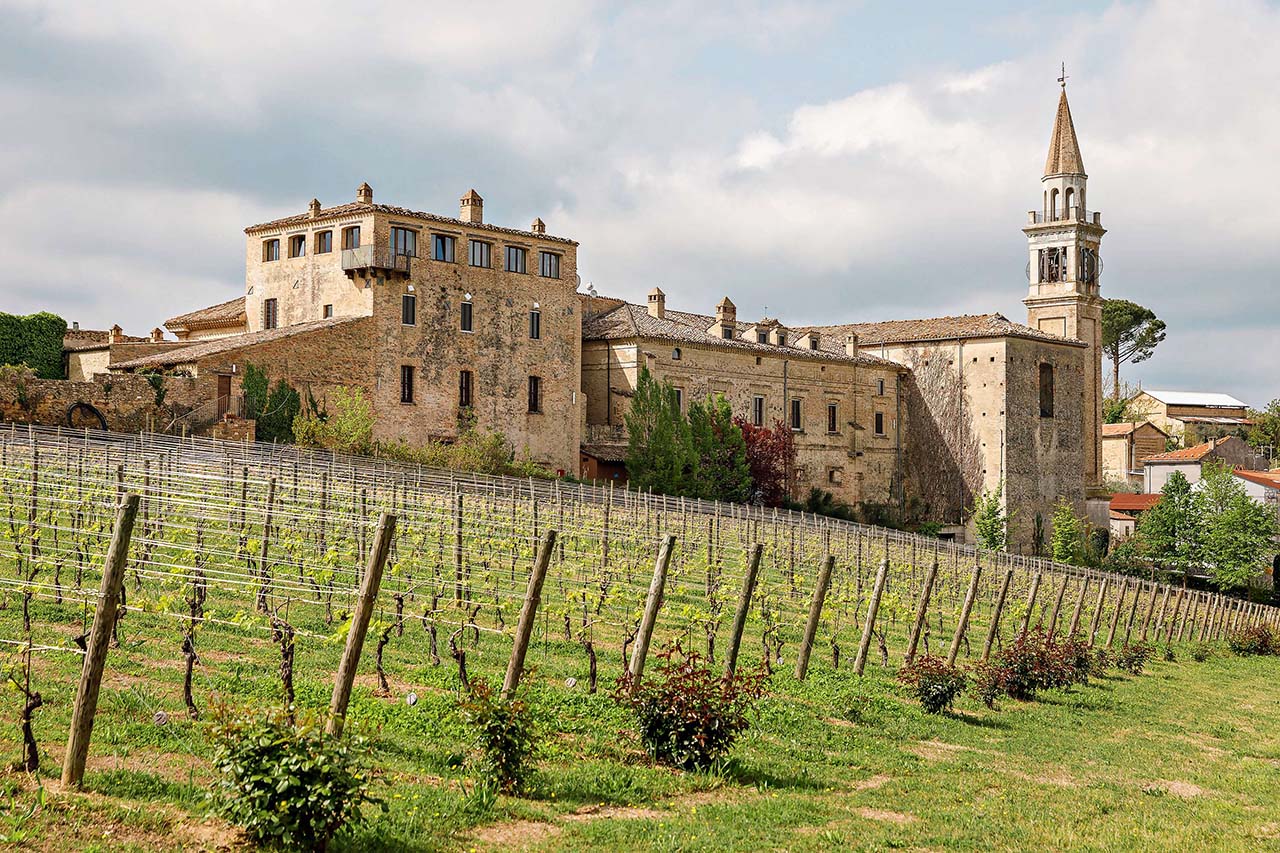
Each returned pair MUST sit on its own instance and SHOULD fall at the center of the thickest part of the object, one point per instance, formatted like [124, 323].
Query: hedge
[34, 340]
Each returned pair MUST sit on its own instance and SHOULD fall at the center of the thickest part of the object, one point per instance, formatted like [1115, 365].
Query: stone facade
[121, 403]
[1192, 417]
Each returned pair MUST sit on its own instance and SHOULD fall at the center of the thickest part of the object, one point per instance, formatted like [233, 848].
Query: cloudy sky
[818, 161]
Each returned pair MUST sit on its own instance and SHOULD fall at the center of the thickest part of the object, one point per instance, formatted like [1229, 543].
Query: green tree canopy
[659, 445]
[990, 520]
[1237, 530]
[1130, 333]
[1266, 427]
[1067, 540]
[1170, 530]
[721, 471]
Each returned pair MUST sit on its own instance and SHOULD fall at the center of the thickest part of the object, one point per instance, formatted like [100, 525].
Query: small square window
[516, 259]
[270, 250]
[549, 264]
[762, 337]
[675, 354]
[327, 312]
[727, 332]
[409, 310]
[442, 246]
[297, 245]
[466, 317]
[351, 237]
[270, 314]
[879, 387]
[481, 254]
[406, 383]
[324, 242]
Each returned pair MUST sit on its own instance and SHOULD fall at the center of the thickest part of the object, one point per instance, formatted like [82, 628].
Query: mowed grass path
[1185, 757]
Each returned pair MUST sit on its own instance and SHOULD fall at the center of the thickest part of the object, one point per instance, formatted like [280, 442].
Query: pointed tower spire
[1064, 149]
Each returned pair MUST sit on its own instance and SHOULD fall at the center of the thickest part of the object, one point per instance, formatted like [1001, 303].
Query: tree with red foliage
[771, 454]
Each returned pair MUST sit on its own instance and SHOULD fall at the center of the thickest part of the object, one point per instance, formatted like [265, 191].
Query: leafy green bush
[933, 681]
[34, 340]
[1134, 656]
[1254, 640]
[688, 717]
[988, 682]
[285, 782]
[506, 737]
[1201, 652]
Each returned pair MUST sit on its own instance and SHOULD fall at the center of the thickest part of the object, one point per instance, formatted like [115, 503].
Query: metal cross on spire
[1063, 79]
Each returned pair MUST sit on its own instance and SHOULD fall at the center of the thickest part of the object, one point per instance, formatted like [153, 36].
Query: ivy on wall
[34, 340]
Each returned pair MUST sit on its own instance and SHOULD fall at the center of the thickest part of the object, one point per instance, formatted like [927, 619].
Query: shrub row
[1254, 640]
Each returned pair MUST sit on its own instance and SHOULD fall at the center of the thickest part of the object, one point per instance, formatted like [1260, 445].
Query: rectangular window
[782, 339]
[404, 241]
[1046, 390]
[831, 418]
[813, 343]
[549, 264]
[762, 337]
[270, 314]
[442, 247]
[406, 383]
[271, 250]
[879, 387]
[324, 242]
[516, 257]
[727, 333]
[795, 414]
[757, 411]
[879, 424]
[327, 312]
[535, 394]
[297, 245]
[679, 392]
[464, 389]
[481, 254]
[466, 317]
[351, 237]
[535, 324]
[409, 310]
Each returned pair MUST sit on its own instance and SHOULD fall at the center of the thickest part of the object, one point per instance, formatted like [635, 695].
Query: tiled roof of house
[227, 313]
[606, 452]
[633, 321]
[1123, 501]
[1112, 430]
[941, 329]
[1064, 149]
[1270, 479]
[360, 207]
[77, 340]
[1120, 516]
[1195, 453]
[205, 349]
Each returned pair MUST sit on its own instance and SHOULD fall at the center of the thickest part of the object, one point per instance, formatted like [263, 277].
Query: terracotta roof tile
[941, 329]
[1120, 516]
[1133, 503]
[77, 340]
[606, 452]
[205, 349]
[1110, 430]
[1270, 479]
[1186, 454]
[633, 321]
[357, 207]
[223, 314]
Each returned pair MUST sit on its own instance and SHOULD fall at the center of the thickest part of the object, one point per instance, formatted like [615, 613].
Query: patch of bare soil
[1052, 777]
[515, 834]
[869, 784]
[935, 750]
[887, 816]
[1178, 789]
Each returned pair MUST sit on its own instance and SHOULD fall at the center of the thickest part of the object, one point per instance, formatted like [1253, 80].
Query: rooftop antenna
[1062, 81]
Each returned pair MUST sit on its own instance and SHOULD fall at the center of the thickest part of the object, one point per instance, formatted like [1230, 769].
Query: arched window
[675, 354]
[1053, 204]
[1046, 390]
[1068, 201]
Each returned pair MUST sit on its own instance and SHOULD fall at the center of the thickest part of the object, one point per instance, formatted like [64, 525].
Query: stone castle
[446, 319]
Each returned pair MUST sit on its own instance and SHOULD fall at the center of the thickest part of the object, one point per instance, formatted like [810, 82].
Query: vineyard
[246, 564]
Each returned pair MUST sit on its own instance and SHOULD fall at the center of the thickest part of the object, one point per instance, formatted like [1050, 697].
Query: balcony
[1073, 214]
[365, 261]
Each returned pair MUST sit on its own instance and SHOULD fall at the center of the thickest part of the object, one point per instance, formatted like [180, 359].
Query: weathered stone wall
[853, 463]
[127, 403]
[232, 428]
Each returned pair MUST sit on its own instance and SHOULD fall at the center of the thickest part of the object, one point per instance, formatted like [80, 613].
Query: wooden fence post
[1057, 607]
[654, 601]
[744, 608]
[1164, 605]
[860, 664]
[264, 577]
[1097, 611]
[528, 615]
[457, 548]
[1115, 616]
[1075, 614]
[995, 616]
[1031, 603]
[963, 623]
[815, 613]
[922, 611]
[1133, 611]
[360, 625]
[95, 656]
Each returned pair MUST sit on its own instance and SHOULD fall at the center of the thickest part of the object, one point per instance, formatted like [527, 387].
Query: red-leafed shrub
[1254, 640]
[1134, 656]
[933, 681]
[688, 716]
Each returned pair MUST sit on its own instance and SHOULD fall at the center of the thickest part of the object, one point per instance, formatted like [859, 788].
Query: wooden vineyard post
[528, 615]
[1075, 614]
[1031, 603]
[1164, 609]
[360, 625]
[457, 548]
[744, 608]
[1133, 611]
[1057, 606]
[1115, 616]
[1097, 611]
[963, 623]
[95, 657]
[650, 618]
[1151, 609]
[264, 577]
[815, 614]
[995, 615]
[873, 607]
[922, 611]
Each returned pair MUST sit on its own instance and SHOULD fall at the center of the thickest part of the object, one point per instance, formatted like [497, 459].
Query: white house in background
[1202, 413]
[1262, 486]
[1189, 460]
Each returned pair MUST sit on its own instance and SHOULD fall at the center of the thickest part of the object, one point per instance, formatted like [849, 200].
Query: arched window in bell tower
[1053, 204]
[1068, 204]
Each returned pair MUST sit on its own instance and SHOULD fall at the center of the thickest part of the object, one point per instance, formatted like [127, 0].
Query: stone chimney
[114, 334]
[315, 208]
[726, 312]
[657, 303]
[157, 335]
[364, 194]
[538, 227]
[75, 326]
[851, 344]
[472, 208]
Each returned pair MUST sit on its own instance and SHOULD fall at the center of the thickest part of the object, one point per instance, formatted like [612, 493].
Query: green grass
[1183, 757]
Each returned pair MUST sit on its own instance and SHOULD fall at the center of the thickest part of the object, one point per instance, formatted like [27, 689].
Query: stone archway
[84, 416]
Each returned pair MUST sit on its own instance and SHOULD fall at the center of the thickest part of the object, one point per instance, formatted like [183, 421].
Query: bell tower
[1063, 239]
